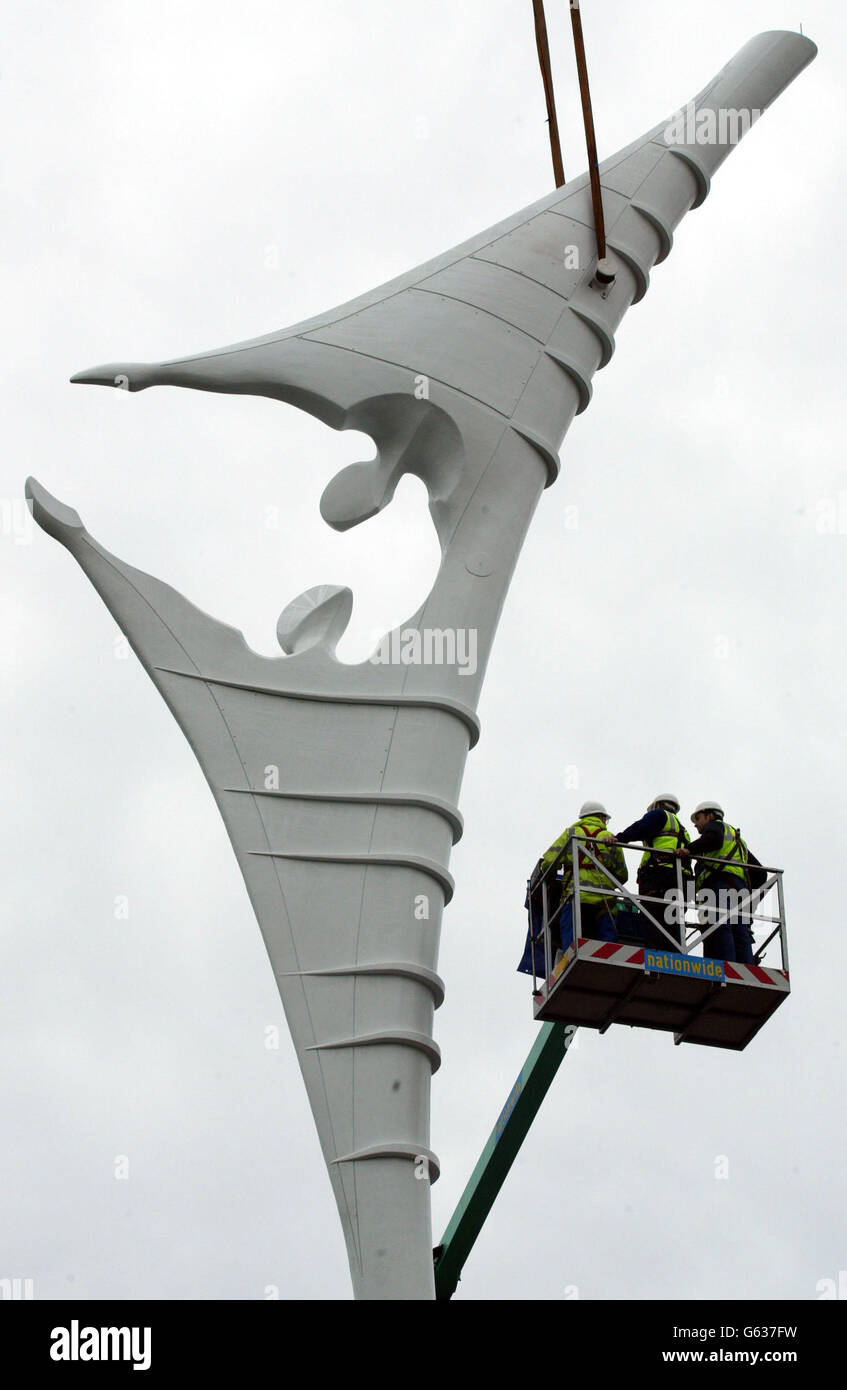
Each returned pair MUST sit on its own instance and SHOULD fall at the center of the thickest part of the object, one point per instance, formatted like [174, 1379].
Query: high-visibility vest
[672, 836]
[732, 851]
[591, 828]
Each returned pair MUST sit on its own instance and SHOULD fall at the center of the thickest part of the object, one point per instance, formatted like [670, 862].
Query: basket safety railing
[694, 914]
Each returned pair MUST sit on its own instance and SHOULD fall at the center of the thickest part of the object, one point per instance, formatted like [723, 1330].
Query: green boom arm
[499, 1154]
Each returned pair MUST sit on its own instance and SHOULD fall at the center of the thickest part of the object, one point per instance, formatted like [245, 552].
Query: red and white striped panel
[618, 954]
[610, 950]
[754, 975]
[597, 950]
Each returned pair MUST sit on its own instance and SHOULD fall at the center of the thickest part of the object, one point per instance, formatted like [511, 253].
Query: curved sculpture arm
[339, 784]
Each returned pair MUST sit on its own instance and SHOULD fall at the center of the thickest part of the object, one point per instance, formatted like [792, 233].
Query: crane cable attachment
[604, 275]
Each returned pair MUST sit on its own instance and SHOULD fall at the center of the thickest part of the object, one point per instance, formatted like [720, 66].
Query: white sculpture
[466, 372]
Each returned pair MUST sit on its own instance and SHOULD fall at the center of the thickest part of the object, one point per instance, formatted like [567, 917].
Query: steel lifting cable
[587, 115]
[588, 118]
[547, 79]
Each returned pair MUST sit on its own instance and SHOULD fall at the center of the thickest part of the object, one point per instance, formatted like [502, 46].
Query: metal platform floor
[699, 1000]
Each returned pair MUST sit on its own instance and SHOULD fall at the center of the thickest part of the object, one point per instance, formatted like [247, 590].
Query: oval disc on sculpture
[357, 493]
[316, 618]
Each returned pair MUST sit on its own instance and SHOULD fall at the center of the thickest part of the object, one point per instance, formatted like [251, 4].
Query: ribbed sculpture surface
[466, 372]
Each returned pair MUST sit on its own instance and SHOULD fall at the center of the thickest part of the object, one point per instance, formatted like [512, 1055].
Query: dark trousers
[662, 884]
[733, 940]
[595, 922]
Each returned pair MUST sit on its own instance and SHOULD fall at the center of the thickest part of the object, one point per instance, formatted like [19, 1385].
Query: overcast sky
[181, 177]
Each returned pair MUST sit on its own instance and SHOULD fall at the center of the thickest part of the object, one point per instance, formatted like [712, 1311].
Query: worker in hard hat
[723, 889]
[596, 919]
[662, 833]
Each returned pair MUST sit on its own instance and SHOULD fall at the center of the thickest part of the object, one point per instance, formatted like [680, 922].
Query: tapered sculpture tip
[53, 516]
[122, 376]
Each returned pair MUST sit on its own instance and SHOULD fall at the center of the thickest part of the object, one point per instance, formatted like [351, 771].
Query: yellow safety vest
[591, 828]
[732, 851]
[672, 836]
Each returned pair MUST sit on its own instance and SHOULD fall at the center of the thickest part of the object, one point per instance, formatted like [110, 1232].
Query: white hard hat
[666, 798]
[708, 806]
[593, 808]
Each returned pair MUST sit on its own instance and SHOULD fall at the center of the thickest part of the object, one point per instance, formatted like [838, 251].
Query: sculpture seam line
[418, 800]
[601, 332]
[659, 226]
[391, 1037]
[386, 861]
[439, 702]
[401, 969]
[704, 182]
[581, 381]
[399, 1150]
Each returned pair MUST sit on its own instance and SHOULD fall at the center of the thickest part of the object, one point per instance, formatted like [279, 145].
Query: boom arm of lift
[499, 1154]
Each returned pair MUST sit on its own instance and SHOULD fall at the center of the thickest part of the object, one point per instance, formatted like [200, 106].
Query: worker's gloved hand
[680, 853]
